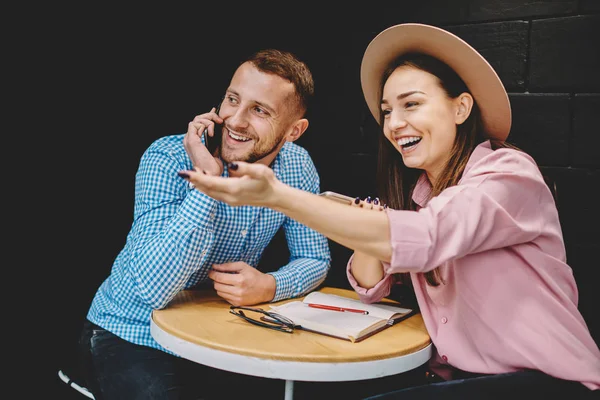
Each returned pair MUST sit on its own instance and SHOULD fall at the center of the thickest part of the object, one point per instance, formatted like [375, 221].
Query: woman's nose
[397, 120]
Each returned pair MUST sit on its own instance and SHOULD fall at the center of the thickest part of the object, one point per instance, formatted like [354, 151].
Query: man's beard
[254, 154]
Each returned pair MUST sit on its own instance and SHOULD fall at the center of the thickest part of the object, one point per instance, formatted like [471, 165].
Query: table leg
[289, 390]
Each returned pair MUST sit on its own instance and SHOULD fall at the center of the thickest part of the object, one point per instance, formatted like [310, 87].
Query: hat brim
[479, 76]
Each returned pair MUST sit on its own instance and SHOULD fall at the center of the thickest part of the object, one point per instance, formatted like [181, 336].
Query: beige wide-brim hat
[479, 76]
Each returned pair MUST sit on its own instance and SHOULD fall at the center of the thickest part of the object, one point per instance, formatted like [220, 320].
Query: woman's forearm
[366, 269]
[353, 227]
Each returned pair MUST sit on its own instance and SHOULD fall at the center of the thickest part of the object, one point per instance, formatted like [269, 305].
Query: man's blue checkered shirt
[178, 233]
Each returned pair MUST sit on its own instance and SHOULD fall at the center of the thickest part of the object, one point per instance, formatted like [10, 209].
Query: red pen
[333, 308]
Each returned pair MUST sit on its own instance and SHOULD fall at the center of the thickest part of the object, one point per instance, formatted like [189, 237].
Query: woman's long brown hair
[396, 181]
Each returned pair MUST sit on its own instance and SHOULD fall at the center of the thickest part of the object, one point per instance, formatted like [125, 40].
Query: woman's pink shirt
[509, 301]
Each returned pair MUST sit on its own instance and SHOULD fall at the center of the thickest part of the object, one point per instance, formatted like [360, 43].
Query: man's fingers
[231, 298]
[205, 116]
[228, 292]
[228, 267]
[224, 288]
[196, 128]
[223, 278]
[214, 116]
[228, 297]
[208, 119]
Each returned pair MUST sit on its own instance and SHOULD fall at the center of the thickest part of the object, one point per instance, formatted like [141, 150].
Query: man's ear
[464, 105]
[297, 129]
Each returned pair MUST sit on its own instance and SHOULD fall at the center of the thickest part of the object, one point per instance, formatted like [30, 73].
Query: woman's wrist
[281, 195]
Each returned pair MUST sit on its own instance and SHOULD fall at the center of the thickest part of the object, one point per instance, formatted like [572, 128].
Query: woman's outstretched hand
[248, 184]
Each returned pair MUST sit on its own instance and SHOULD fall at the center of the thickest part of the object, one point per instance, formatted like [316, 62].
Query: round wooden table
[197, 325]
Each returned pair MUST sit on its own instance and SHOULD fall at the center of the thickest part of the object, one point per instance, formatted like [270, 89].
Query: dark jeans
[117, 369]
[526, 385]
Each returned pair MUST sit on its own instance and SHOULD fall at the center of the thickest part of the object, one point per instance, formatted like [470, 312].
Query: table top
[202, 318]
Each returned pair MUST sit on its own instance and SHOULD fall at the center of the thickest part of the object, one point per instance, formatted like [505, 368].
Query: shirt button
[203, 252]
[444, 358]
[212, 215]
[244, 233]
[444, 320]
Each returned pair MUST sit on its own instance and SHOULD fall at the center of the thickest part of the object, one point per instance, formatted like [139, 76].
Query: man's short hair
[287, 66]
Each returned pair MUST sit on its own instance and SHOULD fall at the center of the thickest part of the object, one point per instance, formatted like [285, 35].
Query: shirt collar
[422, 190]
[482, 150]
[278, 163]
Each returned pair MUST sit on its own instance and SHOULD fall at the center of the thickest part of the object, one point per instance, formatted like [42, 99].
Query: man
[180, 237]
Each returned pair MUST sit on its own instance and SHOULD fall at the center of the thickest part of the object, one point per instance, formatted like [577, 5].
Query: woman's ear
[464, 105]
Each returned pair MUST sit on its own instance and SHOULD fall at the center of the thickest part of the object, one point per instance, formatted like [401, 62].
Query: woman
[470, 221]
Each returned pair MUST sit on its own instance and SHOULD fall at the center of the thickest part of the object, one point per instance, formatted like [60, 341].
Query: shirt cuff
[410, 241]
[284, 284]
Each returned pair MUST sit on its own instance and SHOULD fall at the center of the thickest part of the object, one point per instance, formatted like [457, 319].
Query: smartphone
[212, 143]
[340, 198]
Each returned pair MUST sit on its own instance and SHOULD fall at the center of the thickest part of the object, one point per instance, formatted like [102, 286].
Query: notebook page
[343, 324]
[377, 310]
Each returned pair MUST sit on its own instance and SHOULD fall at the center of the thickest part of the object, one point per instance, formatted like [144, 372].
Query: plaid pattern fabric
[178, 233]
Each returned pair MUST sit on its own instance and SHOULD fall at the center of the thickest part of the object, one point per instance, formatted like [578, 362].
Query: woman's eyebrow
[406, 94]
[403, 95]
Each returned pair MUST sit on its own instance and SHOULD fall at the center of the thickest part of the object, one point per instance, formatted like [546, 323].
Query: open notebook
[351, 326]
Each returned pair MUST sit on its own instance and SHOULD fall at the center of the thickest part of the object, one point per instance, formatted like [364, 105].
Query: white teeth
[407, 140]
[236, 137]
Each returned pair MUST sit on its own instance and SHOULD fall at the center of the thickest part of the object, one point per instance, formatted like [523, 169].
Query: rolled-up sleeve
[374, 294]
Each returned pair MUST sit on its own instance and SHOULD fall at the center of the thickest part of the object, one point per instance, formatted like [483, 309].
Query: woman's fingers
[253, 170]
[248, 184]
[214, 186]
[369, 203]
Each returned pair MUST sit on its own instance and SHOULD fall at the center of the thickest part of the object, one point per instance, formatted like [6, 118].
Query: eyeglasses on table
[265, 319]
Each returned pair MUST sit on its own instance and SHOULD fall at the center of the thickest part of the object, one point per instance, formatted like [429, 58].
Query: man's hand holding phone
[205, 127]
